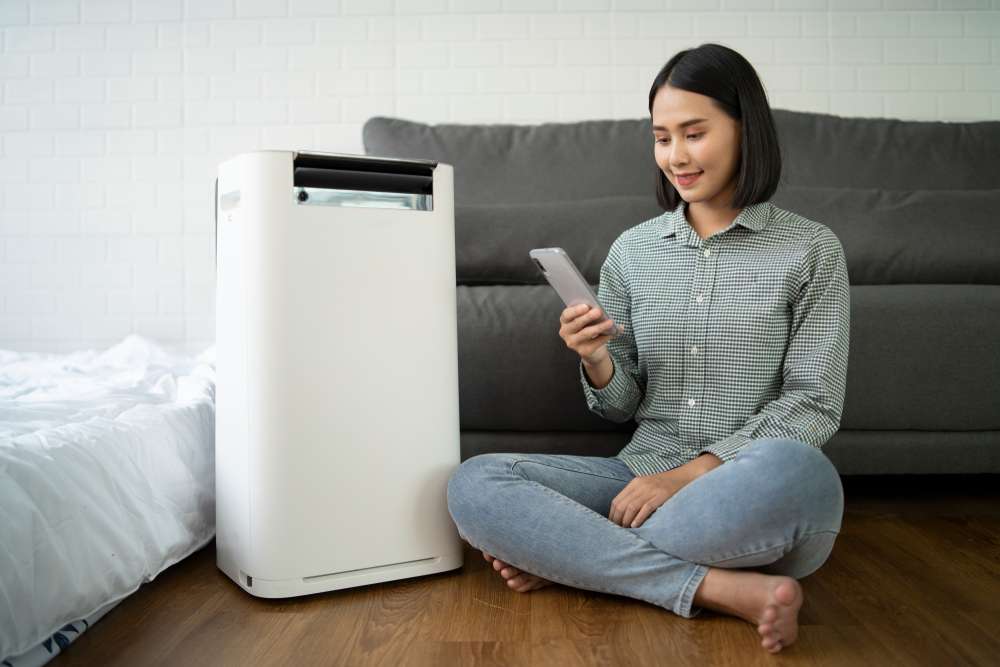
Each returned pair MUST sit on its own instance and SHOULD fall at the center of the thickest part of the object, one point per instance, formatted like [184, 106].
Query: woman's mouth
[686, 180]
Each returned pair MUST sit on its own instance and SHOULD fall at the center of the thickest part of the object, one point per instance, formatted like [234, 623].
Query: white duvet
[106, 478]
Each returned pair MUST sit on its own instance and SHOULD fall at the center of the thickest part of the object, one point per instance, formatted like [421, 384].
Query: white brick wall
[115, 113]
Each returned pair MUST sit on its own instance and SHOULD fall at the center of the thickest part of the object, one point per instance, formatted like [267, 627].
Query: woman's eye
[666, 140]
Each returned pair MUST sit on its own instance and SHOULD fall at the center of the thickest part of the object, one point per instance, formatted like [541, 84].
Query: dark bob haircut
[724, 75]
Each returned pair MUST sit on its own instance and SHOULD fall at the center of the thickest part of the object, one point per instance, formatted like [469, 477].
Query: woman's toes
[506, 571]
[765, 629]
[527, 583]
[516, 579]
[770, 614]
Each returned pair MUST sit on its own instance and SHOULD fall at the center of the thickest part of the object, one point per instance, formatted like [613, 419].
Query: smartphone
[569, 283]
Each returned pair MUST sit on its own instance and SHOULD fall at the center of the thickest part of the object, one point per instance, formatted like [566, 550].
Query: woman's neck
[707, 219]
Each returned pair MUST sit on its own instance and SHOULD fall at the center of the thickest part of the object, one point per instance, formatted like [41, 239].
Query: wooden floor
[914, 579]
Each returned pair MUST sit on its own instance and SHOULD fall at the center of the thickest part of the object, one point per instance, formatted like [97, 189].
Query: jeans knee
[806, 558]
[473, 499]
[808, 472]
[794, 453]
[468, 482]
[799, 458]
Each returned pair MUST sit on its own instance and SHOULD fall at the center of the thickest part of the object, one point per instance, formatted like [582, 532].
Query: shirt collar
[754, 217]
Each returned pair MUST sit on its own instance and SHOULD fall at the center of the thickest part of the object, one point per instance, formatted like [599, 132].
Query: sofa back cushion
[505, 163]
[519, 164]
[832, 151]
[912, 202]
[907, 236]
[889, 236]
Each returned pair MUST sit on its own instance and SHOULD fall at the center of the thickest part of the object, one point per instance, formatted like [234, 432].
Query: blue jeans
[775, 508]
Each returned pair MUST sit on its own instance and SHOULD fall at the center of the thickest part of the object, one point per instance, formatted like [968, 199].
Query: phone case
[557, 267]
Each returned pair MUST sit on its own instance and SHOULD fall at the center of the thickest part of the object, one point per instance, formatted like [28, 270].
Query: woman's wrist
[697, 467]
[600, 373]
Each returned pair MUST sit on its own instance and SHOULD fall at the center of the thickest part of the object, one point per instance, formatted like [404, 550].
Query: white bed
[107, 478]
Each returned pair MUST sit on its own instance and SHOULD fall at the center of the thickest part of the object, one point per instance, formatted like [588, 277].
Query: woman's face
[696, 146]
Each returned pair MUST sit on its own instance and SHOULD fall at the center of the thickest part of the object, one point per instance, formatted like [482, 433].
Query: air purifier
[337, 422]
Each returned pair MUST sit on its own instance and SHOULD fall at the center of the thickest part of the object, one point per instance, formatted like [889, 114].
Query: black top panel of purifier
[346, 172]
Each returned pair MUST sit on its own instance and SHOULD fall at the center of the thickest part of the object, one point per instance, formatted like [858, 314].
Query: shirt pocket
[766, 286]
[754, 303]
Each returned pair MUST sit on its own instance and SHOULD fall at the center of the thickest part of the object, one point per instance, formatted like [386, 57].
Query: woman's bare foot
[522, 582]
[772, 603]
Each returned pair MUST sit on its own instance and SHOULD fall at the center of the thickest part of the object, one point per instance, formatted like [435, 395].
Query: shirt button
[691, 402]
[694, 349]
[707, 251]
[700, 298]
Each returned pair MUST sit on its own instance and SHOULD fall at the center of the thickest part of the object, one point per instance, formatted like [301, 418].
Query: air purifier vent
[371, 570]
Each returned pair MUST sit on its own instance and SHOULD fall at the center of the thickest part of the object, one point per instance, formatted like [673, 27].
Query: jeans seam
[760, 551]
[578, 472]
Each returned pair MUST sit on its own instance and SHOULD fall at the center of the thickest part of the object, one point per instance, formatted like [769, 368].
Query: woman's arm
[617, 399]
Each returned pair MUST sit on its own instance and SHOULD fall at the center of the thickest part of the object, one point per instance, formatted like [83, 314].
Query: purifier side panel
[231, 418]
[267, 226]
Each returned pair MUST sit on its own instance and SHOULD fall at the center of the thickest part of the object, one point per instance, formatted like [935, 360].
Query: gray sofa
[916, 206]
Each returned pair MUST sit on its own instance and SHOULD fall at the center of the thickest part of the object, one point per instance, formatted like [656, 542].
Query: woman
[733, 362]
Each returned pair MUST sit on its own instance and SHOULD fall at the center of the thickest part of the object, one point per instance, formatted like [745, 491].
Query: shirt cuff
[615, 394]
[727, 448]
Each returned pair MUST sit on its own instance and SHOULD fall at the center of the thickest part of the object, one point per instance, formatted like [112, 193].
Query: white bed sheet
[107, 477]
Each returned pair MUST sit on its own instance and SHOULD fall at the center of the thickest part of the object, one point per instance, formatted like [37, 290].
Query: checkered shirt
[736, 337]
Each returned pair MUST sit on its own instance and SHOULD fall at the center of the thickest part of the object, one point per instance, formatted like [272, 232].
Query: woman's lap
[499, 506]
[592, 481]
[777, 507]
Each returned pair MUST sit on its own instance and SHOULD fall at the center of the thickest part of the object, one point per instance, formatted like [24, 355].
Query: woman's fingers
[640, 517]
[626, 508]
[573, 312]
[596, 330]
[585, 329]
[580, 316]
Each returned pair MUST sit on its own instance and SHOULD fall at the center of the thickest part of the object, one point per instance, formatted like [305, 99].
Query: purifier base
[286, 588]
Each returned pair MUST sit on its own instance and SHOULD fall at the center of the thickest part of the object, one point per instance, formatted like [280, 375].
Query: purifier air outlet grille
[345, 172]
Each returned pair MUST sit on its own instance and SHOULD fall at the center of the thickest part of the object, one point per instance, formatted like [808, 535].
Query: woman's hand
[583, 332]
[643, 496]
